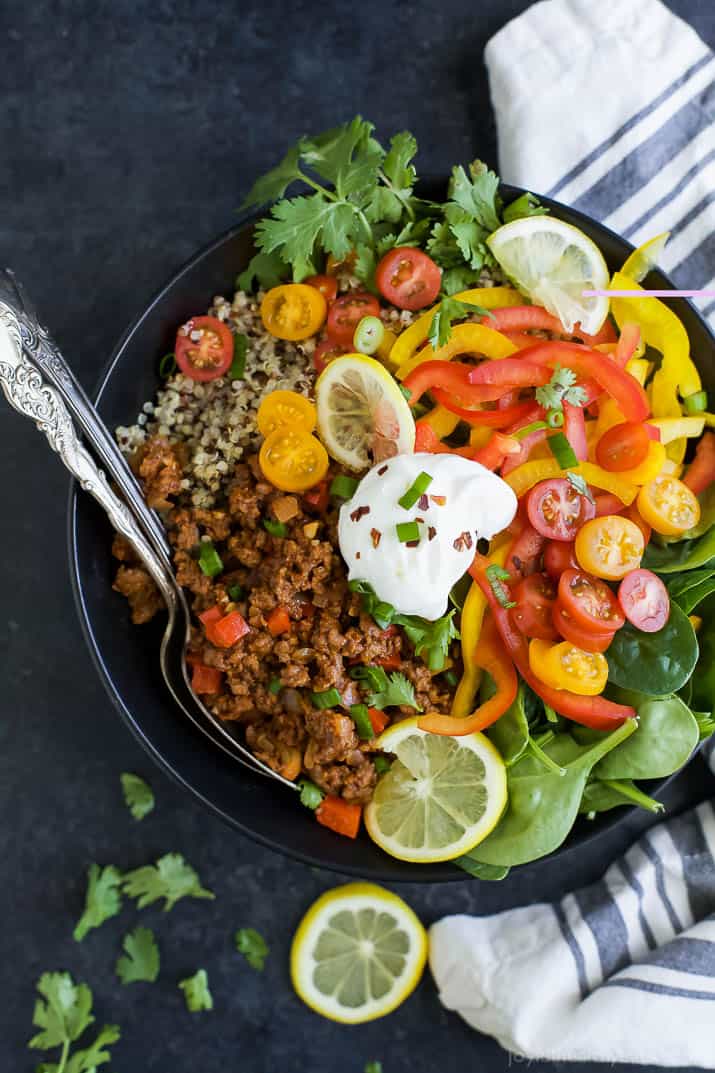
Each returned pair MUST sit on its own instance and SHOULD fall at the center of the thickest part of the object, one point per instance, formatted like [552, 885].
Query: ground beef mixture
[303, 573]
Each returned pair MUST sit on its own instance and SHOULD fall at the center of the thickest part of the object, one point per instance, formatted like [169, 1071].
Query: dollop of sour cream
[463, 503]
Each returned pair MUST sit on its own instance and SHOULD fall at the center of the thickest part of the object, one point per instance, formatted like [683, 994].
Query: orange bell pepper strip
[339, 816]
[492, 657]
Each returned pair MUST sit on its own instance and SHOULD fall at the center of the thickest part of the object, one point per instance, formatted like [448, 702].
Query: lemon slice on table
[363, 417]
[358, 953]
[441, 797]
[645, 257]
[553, 263]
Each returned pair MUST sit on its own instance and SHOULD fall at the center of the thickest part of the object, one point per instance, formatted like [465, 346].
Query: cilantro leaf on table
[141, 958]
[63, 1014]
[373, 1067]
[137, 795]
[170, 878]
[560, 388]
[387, 690]
[450, 309]
[253, 946]
[103, 899]
[196, 992]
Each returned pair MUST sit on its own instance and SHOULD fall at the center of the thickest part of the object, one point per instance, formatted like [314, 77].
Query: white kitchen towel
[610, 108]
[621, 971]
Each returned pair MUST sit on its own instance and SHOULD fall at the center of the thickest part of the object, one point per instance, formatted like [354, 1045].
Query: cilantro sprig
[431, 639]
[450, 309]
[386, 690]
[561, 388]
[63, 1013]
[103, 898]
[171, 878]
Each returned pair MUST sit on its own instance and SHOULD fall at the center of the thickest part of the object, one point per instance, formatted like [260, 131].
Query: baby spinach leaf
[704, 678]
[543, 805]
[477, 870]
[510, 733]
[601, 795]
[665, 739]
[657, 663]
[683, 555]
[692, 597]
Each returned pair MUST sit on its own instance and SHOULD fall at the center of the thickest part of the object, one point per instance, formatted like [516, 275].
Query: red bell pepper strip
[536, 413]
[339, 816]
[525, 318]
[619, 384]
[575, 430]
[526, 444]
[516, 372]
[426, 439]
[525, 552]
[607, 503]
[452, 377]
[522, 340]
[278, 621]
[595, 712]
[628, 340]
[496, 450]
[701, 471]
[206, 679]
[491, 418]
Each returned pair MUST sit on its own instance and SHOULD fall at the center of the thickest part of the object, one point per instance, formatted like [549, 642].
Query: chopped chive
[209, 559]
[167, 367]
[238, 365]
[361, 719]
[418, 488]
[382, 764]
[407, 532]
[274, 686]
[276, 529]
[343, 487]
[533, 427]
[405, 391]
[562, 450]
[236, 592]
[497, 575]
[555, 418]
[451, 679]
[329, 698]
[310, 794]
[696, 403]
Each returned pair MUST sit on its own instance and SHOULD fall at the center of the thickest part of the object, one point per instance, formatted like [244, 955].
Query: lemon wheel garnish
[358, 953]
[441, 797]
[554, 263]
[363, 416]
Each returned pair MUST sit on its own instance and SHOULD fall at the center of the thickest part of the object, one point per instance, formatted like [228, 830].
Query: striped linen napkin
[609, 108]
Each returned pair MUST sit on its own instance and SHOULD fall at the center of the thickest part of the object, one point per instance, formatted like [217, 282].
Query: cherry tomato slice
[325, 352]
[566, 666]
[668, 505]
[589, 601]
[327, 285]
[408, 278]
[534, 597]
[622, 447]
[293, 459]
[345, 314]
[558, 556]
[609, 547]
[293, 311]
[569, 629]
[557, 510]
[645, 600]
[204, 348]
[285, 409]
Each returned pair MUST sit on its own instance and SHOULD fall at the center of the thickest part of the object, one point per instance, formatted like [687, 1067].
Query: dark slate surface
[129, 134]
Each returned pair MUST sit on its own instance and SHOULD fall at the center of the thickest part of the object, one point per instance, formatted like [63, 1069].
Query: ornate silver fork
[26, 352]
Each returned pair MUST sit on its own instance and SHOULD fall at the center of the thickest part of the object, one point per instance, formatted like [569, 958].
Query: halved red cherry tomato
[644, 600]
[325, 352]
[589, 601]
[559, 556]
[534, 597]
[525, 551]
[633, 513]
[204, 348]
[557, 510]
[408, 278]
[327, 285]
[587, 639]
[622, 447]
[345, 314]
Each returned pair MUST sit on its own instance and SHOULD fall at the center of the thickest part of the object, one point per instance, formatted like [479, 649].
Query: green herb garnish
[210, 561]
[431, 639]
[361, 719]
[253, 946]
[382, 764]
[451, 679]
[343, 487]
[274, 686]
[171, 878]
[329, 698]
[561, 388]
[579, 483]
[496, 576]
[535, 426]
[276, 529]
[238, 365]
[449, 309]
[407, 532]
[418, 488]
[137, 795]
[140, 960]
[63, 1013]
[555, 419]
[196, 992]
[310, 794]
[387, 690]
[562, 450]
[236, 592]
[103, 898]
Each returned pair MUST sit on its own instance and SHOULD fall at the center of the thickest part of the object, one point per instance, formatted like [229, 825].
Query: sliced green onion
[209, 559]
[238, 365]
[406, 391]
[167, 366]
[407, 532]
[274, 686]
[451, 679]
[276, 529]
[329, 698]
[562, 450]
[368, 335]
[533, 427]
[496, 576]
[418, 488]
[343, 487]
[310, 794]
[555, 418]
[382, 764]
[361, 719]
[236, 592]
[696, 403]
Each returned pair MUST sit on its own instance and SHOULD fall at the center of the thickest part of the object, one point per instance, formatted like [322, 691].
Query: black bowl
[127, 656]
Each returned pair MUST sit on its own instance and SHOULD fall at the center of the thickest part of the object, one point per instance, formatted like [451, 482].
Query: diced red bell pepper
[339, 816]
[390, 663]
[278, 621]
[317, 498]
[213, 614]
[378, 719]
[575, 430]
[530, 318]
[701, 471]
[227, 630]
[206, 679]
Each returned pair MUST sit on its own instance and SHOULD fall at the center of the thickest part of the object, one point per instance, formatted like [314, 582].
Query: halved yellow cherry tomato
[293, 460]
[564, 666]
[668, 506]
[285, 409]
[609, 547]
[293, 311]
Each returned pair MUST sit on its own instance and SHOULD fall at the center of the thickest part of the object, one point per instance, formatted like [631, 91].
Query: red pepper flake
[464, 540]
[411, 543]
[423, 502]
[420, 520]
[382, 469]
[357, 554]
[376, 536]
[439, 501]
[359, 513]
[431, 533]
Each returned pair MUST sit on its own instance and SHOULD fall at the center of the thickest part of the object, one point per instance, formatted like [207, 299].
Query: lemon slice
[358, 953]
[441, 796]
[363, 417]
[553, 262]
[640, 262]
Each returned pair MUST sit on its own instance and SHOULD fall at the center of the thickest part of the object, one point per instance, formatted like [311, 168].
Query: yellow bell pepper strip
[384, 350]
[464, 339]
[409, 341]
[478, 435]
[649, 468]
[492, 657]
[470, 628]
[672, 428]
[639, 368]
[441, 421]
[530, 473]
